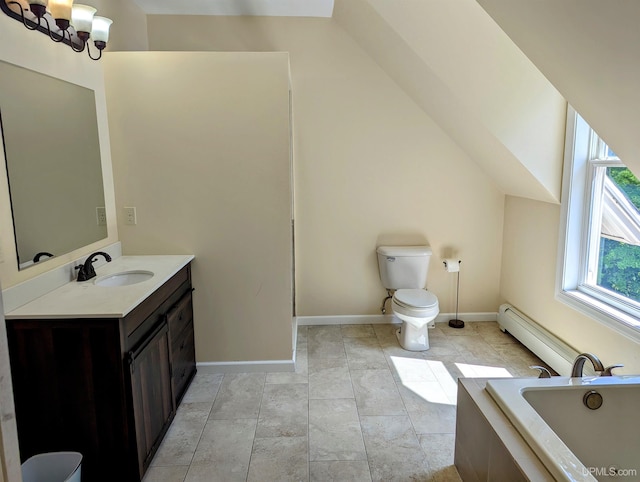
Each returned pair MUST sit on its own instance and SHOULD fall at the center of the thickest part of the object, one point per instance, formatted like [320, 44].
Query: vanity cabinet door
[149, 366]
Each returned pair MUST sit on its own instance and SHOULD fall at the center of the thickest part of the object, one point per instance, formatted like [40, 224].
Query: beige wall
[129, 28]
[528, 282]
[201, 148]
[37, 52]
[370, 167]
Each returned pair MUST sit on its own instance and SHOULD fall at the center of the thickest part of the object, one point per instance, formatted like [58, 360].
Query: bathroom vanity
[101, 369]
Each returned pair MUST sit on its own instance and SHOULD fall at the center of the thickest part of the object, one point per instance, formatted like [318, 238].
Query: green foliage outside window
[626, 181]
[619, 268]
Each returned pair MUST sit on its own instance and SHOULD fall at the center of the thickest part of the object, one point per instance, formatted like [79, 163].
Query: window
[599, 268]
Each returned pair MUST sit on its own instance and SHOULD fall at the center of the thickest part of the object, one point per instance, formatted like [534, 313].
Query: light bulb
[61, 9]
[82, 17]
[100, 29]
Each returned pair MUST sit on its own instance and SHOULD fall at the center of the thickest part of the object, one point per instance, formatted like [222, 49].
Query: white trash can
[52, 467]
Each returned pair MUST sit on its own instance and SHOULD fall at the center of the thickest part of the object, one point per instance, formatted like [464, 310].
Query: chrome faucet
[86, 271]
[544, 372]
[578, 364]
[608, 371]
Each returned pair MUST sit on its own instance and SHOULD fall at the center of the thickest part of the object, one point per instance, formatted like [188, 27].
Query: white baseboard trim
[379, 319]
[289, 365]
[246, 366]
[345, 320]
[468, 317]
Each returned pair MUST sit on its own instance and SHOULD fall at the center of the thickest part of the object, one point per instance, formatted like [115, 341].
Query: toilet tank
[403, 267]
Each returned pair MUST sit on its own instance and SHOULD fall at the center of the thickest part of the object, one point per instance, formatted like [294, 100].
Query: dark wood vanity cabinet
[151, 394]
[107, 388]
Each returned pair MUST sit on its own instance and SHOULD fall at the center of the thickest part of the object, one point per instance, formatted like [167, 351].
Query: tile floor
[358, 408]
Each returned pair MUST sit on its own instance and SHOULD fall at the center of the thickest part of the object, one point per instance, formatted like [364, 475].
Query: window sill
[613, 318]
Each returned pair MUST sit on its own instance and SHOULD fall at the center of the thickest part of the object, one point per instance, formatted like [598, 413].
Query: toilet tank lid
[404, 250]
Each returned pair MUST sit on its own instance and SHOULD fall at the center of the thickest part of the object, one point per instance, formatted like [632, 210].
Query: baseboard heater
[548, 347]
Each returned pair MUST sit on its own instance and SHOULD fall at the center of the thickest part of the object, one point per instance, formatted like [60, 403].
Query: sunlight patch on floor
[413, 369]
[449, 384]
[482, 371]
[431, 392]
[428, 379]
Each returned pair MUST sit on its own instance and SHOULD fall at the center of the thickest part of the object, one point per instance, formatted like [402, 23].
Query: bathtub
[573, 441]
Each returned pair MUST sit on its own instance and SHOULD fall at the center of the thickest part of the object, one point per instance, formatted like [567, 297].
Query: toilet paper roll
[452, 265]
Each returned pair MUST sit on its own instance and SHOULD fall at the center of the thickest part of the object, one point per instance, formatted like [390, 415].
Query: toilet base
[412, 338]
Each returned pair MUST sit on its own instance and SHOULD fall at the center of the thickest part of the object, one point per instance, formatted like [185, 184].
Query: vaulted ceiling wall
[459, 66]
[589, 50]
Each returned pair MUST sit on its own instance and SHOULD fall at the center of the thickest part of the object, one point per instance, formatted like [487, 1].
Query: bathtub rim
[552, 451]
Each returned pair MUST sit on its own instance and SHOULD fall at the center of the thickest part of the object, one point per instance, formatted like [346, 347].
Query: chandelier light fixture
[63, 21]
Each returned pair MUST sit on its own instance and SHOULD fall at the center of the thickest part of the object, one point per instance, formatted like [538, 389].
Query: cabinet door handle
[132, 361]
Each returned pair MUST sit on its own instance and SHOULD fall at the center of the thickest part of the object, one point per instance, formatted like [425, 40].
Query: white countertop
[87, 300]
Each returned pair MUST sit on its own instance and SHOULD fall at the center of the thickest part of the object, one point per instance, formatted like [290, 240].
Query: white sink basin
[124, 278]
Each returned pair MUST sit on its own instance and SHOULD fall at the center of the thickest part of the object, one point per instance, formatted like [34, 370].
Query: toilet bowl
[415, 308]
[403, 271]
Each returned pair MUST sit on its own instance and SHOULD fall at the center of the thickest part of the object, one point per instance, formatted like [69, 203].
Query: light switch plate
[130, 215]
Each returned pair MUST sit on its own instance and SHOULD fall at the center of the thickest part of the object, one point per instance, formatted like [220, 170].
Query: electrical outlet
[130, 215]
[101, 216]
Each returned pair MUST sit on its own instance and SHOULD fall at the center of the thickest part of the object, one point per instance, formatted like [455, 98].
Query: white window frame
[578, 214]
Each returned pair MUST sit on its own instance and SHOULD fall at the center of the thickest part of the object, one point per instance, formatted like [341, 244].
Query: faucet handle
[608, 371]
[544, 373]
[82, 275]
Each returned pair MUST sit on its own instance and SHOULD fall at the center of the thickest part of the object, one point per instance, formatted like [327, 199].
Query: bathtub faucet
[544, 372]
[578, 364]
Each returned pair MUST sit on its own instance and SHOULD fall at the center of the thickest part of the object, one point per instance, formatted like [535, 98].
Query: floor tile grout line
[355, 401]
[308, 414]
[413, 428]
[202, 431]
[253, 445]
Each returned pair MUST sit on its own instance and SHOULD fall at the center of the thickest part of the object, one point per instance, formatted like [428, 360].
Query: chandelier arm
[24, 18]
[81, 49]
[91, 56]
[51, 33]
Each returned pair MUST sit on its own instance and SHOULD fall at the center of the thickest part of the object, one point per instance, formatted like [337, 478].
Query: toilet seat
[415, 298]
[415, 306]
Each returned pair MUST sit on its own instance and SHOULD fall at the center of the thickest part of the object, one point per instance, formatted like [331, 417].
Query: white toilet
[403, 270]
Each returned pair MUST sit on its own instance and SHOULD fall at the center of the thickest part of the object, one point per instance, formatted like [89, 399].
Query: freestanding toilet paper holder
[453, 266]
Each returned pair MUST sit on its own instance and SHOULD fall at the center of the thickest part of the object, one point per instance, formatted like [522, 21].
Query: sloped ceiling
[461, 68]
[270, 8]
[457, 64]
[589, 50]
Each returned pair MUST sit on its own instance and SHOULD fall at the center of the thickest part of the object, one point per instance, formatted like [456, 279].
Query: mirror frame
[68, 224]
[37, 53]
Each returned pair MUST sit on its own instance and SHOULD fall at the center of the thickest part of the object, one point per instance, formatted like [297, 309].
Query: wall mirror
[50, 136]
